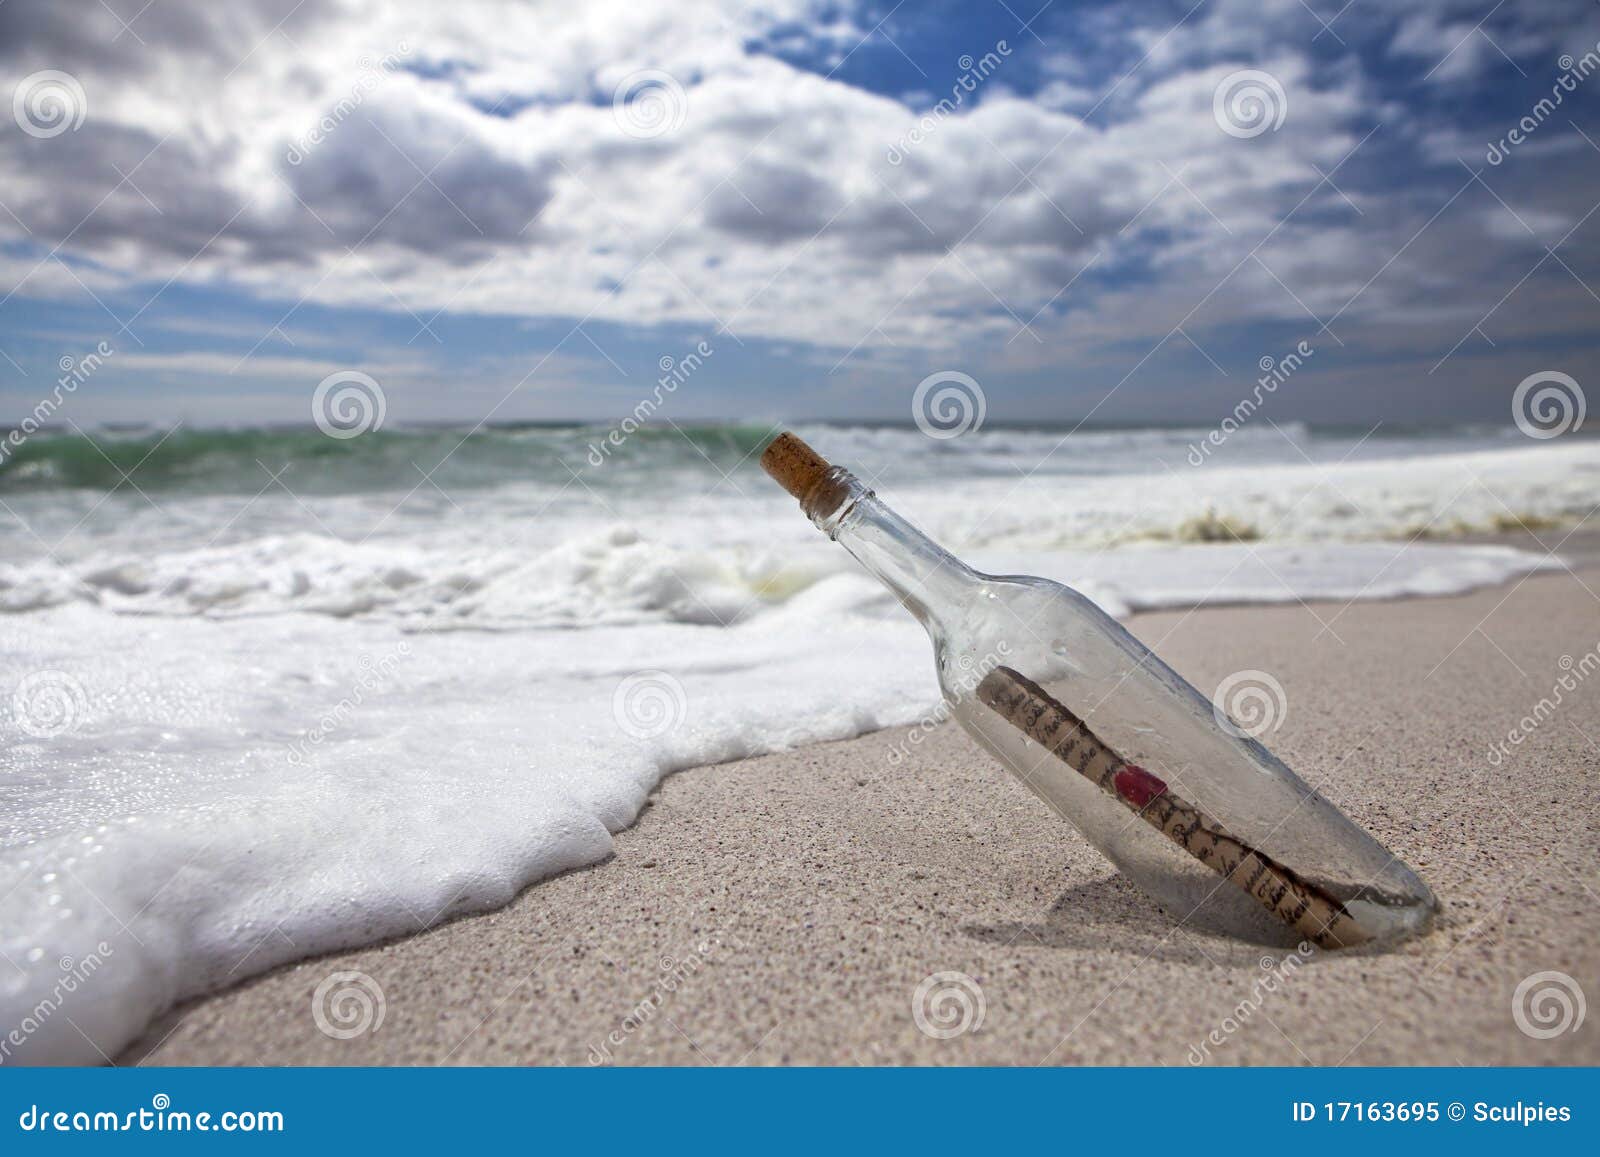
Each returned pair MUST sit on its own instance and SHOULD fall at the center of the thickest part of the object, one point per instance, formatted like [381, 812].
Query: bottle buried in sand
[1209, 823]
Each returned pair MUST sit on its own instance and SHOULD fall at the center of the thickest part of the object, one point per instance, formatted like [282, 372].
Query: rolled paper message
[1307, 907]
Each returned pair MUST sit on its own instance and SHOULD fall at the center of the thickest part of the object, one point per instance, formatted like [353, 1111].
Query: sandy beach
[785, 909]
[613, 535]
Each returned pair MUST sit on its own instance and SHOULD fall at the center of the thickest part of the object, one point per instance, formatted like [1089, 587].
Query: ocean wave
[514, 557]
[233, 461]
[608, 577]
[184, 460]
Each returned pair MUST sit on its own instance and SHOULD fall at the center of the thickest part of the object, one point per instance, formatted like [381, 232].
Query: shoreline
[785, 909]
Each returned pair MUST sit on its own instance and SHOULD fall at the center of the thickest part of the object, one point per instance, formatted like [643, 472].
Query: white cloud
[496, 177]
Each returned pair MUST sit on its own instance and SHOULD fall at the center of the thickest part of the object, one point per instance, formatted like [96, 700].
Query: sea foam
[227, 751]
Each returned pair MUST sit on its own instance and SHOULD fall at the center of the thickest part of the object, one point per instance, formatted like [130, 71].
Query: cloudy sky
[517, 210]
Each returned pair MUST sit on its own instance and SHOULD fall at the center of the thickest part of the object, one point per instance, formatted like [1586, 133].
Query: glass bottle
[1200, 815]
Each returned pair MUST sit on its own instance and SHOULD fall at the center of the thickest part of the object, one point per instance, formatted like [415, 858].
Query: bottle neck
[929, 581]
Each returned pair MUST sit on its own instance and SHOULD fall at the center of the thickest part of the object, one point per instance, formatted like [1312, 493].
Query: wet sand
[786, 909]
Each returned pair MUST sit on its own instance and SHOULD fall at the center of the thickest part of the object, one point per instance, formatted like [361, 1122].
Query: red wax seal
[1137, 786]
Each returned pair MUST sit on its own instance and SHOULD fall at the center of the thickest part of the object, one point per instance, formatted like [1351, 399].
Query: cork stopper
[804, 473]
